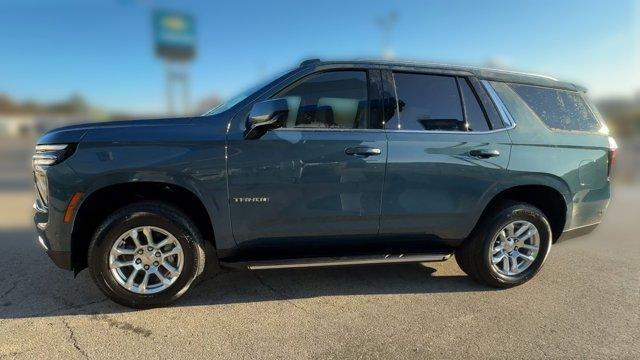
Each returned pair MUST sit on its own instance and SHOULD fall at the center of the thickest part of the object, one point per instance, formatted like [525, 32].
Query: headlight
[52, 154]
[47, 155]
[42, 185]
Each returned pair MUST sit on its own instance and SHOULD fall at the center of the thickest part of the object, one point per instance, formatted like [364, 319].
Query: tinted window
[329, 100]
[429, 102]
[559, 109]
[476, 119]
[389, 115]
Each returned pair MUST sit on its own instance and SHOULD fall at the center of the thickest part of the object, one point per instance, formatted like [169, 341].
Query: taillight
[613, 154]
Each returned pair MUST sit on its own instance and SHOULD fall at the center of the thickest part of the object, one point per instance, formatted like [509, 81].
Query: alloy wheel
[146, 260]
[514, 248]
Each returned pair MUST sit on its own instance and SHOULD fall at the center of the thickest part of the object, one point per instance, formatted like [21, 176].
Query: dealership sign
[174, 35]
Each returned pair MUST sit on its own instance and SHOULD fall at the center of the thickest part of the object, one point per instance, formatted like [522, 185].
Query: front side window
[331, 100]
[558, 109]
[429, 102]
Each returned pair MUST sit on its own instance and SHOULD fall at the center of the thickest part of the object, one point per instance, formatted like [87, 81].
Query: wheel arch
[102, 201]
[549, 199]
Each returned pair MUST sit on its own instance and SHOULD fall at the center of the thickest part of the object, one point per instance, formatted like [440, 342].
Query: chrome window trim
[326, 129]
[395, 131]
[503, 112]
[452, 132]
[507, 119]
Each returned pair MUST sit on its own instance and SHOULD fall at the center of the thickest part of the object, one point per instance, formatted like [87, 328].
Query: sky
[102, 49]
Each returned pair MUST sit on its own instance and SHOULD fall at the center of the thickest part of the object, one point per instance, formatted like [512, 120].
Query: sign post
[174, 39]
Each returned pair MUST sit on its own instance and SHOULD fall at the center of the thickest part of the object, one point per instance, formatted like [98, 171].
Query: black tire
[155, 214]
[474, 256]
[462, 263]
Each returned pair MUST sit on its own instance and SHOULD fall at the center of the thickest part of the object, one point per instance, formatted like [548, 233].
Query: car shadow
[31, 286]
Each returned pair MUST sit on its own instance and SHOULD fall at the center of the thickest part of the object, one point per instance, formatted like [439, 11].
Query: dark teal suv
[332, 163]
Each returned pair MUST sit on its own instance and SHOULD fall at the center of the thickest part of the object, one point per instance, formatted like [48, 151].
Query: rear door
[315, 185]
[447, 152]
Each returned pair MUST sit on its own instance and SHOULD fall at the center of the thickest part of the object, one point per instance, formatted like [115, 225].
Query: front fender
[197, 166]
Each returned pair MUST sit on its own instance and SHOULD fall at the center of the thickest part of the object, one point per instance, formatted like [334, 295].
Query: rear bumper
[577, 232]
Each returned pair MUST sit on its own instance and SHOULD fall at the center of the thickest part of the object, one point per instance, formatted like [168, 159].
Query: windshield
[231, 102]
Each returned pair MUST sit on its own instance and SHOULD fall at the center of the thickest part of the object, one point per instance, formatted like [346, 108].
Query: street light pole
[177, 74]
[169, 89]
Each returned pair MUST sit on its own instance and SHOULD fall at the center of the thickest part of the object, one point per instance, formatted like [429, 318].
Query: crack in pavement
[280, 295]
[11, 288]
[69, 307]
[74, 341]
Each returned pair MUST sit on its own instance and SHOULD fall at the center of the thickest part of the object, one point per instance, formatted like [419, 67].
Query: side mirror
[266, 115]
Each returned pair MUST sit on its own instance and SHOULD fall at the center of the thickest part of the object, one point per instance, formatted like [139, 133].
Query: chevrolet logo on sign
[174, 23]
[174, 35]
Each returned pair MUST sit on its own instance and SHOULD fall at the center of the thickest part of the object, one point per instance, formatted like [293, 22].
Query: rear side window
[429, 102]
[476, 118]
[558, 109]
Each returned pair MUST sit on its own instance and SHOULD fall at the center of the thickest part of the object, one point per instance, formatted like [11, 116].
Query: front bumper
[62, 259]
[49, 212]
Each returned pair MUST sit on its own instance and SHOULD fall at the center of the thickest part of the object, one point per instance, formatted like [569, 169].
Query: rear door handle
[362, 151]
[484, 153]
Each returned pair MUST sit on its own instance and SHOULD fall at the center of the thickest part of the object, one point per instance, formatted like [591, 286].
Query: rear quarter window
[558, 109]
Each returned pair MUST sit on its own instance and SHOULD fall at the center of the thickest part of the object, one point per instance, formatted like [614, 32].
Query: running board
[339, 261]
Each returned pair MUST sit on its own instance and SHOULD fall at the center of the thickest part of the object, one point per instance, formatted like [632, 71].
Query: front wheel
[508, 247]
[146, 255]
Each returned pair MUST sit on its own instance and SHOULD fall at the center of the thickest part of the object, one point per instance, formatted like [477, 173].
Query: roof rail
[309, 62]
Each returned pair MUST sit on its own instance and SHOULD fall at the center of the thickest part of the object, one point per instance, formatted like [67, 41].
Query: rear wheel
[508, 248]
[462, 263]
[146, 254]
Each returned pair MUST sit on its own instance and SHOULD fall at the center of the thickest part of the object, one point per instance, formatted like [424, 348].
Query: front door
[314, 185]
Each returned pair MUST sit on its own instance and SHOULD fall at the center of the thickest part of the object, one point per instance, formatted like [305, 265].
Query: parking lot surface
[584, 304]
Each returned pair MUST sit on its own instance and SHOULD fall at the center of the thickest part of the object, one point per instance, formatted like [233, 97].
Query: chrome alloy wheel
[146, 260]
[515, 248]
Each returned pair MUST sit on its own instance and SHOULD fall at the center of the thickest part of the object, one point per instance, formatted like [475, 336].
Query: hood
[75, 133]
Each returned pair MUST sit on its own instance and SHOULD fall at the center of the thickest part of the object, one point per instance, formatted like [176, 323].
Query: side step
[338, 261]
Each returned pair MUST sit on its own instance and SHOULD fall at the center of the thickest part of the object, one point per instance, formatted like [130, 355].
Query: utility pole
[386, 24]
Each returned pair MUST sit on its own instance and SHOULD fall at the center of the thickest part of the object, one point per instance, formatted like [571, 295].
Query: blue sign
[174, 35]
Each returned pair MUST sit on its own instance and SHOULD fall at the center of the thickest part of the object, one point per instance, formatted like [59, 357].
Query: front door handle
[484, 153]
[362, 151]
